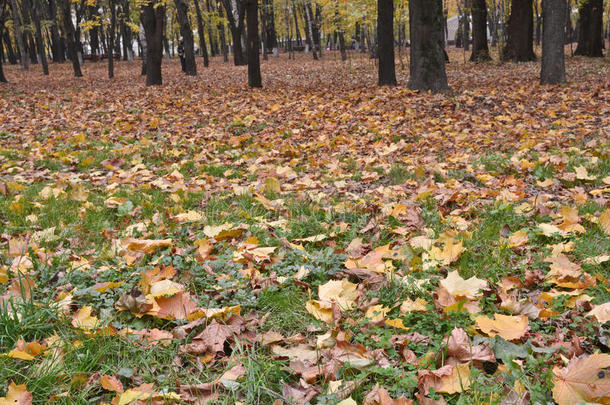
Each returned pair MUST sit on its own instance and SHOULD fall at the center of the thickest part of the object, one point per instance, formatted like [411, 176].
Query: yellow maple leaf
[458, 287]
[17, 395]
[83, 319]
[508, 327]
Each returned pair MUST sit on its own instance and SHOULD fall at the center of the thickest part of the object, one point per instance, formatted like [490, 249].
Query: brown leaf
[458, 346]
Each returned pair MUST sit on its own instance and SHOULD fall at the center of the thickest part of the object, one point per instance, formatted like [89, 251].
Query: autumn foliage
[320, 240]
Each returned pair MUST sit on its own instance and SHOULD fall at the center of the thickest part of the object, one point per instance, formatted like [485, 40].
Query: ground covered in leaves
[320, 240]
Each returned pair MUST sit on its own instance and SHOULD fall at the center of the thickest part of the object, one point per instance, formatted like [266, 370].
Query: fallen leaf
[508, 327]
[583, 380]
[17, 395]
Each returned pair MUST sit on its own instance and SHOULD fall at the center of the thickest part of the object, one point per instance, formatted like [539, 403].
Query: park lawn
[312, 240]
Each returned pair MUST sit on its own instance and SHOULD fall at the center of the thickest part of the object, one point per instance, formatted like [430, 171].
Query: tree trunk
[590, 27]
[111, 34]
[202, 46]
[270, 34]
[153, 20]
[342, 46]
[309, 27]
[385, 35]
[94, 36]
[211, 34]
[35, 10]
[235, 17]
[126, 32]
[2, 18]
[56, 50]
[466, 27]
[254, 66]
[427, 63]
[297, 31]
[520, 47]
[12, 58]
[25, 63]
[480, 49]
[263, 34]
[187, 35]
[553, 39]
[317, 22]
[26, 8]
[538, 19]
[144, 49]
[70, 37]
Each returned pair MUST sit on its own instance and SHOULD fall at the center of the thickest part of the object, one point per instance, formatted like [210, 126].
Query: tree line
[39, 31]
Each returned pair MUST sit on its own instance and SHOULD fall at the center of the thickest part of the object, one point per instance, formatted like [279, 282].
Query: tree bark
[70, 37]
[2, 18]
[309, 27]
[466, 26]
[223, 40]
[427, 63]
[144, 49]
[202, 46]
[35, 10]
[297, 31]
[385, 35]
[126, 33]
[270, 34]
[12, 58]
[553, 38]
[590, 27]
[153, 20]
[254, 66]
[56, 50]
[187, 34]
[25, 63]
[520, 44]
[111, 33]
[480, 49]
[235, 17]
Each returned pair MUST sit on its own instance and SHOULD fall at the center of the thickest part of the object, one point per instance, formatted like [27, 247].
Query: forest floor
[320, 239]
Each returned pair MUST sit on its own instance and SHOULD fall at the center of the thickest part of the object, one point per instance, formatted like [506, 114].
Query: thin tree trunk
[269, 27]
[111, 33]
[25, 63]
[427, 63]
[309, 26]
[222, 35]
[187, 36]
[466, 28]
[235, 17]
[2, 18]
[126, 32]
[480, 49]
[153, 20]
[144, 49]
[553, 38]
[385, 35]
[58, 57]
[71, 44]
[317, 21]
[12, 58]
[202, 46]
[297, 31]
[35, 10]
[263, 33]
[254, 67]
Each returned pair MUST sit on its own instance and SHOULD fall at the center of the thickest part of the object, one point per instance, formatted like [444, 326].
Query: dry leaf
[508, 327]
[583, 380]
[17, 395]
